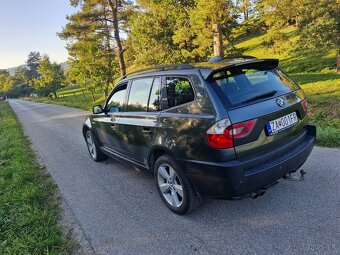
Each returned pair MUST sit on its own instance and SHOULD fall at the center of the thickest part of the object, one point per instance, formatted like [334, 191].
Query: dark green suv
[222, 129]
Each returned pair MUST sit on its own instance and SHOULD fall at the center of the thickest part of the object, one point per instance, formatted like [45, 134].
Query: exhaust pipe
[258, 193]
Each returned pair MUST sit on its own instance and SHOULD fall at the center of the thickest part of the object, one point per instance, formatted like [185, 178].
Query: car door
[140, 121]
[107, 124]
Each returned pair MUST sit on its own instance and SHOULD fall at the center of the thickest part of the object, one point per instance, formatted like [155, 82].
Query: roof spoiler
[253, 63]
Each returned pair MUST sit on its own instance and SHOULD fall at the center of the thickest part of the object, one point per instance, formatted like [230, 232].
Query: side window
[179, 91]
[116, 101]
[139, 95]
[154, 101]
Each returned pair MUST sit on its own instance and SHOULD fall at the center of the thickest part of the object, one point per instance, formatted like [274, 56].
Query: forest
[108, 38]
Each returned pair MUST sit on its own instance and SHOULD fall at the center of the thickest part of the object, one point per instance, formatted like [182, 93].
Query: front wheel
[174, 186]
[93, 148]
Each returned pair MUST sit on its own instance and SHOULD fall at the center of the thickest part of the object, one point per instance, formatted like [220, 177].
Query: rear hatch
[262, 93]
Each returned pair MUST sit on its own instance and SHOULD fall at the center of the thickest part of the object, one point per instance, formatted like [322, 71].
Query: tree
[51, 77]
[212, 22]
[152, 33]
[95, 45]
[17, 85]
[320, 28]
[6, 82]
[32, 64]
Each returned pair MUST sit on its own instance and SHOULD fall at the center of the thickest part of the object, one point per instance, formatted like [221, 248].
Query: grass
[292, 61]
[72, 98]
[68, 101]
[324, 104]
[29, 211]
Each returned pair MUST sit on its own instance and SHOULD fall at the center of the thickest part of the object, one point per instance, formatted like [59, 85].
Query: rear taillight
[221, 135]
[305, 105]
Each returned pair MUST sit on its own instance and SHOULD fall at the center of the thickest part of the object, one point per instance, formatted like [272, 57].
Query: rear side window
[116, 101]
[244, 85]
[139, 95]
[179, 91]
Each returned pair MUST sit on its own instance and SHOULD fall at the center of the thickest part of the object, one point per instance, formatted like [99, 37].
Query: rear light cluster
[221, 135]
[305, 105]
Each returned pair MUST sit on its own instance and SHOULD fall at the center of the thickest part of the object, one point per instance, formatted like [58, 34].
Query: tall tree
[115, 6]
[95, 45]
[32, 64]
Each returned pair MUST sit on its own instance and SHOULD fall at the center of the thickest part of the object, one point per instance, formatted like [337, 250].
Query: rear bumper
[239, 178]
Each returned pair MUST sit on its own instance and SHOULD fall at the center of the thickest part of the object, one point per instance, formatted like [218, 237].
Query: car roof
[207, 69]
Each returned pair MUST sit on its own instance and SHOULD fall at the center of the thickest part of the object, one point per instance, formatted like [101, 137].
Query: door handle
[147, 131]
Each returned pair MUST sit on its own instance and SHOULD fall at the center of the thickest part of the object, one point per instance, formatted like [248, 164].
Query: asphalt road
[120, 211]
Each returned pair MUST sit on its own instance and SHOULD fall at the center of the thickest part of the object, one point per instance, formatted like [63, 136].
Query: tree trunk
[338, 62]
[120, 52]
[106, 90]
[246, 9]
[93, 98]
[55, 94]
[218, 43]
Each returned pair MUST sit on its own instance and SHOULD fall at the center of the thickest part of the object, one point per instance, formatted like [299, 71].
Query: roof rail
[160, 68]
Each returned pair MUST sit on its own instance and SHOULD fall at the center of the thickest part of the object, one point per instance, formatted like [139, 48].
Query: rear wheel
[93, 148]
[174, 187]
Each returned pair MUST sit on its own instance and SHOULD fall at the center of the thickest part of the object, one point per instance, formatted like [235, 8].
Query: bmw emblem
[280, 102]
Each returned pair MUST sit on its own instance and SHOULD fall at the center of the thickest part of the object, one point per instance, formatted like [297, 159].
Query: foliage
[320, 25]
[51, 77]
[94, 44]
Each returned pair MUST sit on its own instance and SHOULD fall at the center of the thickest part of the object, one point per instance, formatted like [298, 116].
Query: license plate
[282, 123]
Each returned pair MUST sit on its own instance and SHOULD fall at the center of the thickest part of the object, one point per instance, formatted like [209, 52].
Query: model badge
[280, 102]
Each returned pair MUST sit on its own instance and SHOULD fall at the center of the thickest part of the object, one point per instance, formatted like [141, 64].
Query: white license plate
[282, 123]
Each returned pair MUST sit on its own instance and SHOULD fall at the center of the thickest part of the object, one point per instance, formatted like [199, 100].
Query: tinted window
[179, 91]
[240, 85]
[116, 101]
[139, 95]
[154, 101]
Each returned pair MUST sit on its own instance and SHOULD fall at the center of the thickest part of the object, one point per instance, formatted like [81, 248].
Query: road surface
[120, 211]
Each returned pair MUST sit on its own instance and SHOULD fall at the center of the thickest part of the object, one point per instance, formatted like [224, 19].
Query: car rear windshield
[246, 85]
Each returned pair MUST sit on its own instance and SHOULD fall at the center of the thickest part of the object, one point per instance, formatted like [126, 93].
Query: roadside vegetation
[29, 210]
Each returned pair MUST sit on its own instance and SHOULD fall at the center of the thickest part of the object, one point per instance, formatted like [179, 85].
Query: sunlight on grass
[28, 210]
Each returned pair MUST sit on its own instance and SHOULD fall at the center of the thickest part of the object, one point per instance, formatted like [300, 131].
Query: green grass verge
[323, 93]
[77, 102]
[29, 211]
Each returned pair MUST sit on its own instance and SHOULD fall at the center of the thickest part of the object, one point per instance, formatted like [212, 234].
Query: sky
[31, 25]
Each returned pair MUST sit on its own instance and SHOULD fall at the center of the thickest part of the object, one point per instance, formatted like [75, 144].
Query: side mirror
[97, 109]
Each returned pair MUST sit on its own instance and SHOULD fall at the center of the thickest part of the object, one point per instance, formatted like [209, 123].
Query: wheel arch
[86, 126]
[154, 153]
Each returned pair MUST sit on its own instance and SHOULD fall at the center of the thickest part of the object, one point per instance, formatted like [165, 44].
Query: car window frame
[153, 77]
[165, 104]
[127, 83]
[160, 96]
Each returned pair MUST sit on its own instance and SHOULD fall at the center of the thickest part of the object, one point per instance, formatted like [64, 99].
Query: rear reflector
[221, 135]
[305, 105]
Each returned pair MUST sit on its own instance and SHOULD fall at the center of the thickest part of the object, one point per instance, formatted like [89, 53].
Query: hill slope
[292, 61]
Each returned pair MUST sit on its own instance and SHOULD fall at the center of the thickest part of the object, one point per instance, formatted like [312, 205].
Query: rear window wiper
[264, 95]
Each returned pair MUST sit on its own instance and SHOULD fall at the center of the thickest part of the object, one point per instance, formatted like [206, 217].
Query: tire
[174, 186]
[93, 147]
